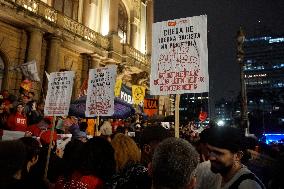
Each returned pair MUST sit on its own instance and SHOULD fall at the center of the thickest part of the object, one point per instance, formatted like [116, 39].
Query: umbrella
[121, 109]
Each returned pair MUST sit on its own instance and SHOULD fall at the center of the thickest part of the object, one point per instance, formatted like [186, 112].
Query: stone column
[53, 55]
[34, 53]
[149, 26]
[95, 62]
[133, 34]
[86, 13]
[113, 16]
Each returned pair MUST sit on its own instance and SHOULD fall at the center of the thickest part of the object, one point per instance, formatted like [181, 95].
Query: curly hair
[125, 151]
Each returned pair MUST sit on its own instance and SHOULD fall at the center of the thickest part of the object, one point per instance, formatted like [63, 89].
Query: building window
[122, 22]
[67, 7]
[2, 72]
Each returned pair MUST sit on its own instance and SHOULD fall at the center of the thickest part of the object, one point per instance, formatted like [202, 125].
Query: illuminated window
[122, 23]
[67, 7]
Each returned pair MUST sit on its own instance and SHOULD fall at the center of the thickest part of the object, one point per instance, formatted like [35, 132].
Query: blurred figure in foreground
[173, 163]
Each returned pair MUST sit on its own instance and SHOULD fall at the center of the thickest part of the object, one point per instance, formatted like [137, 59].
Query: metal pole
[240, 60]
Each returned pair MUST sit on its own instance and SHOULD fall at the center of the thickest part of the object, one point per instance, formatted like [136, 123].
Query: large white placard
[59, 93]
[100, 94]
[180, 56]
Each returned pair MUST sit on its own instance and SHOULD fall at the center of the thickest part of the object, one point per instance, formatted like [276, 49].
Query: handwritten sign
[180, 56]
[59, 93]
[100, 95]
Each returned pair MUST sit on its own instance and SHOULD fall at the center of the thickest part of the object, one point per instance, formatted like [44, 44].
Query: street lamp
[240, 60]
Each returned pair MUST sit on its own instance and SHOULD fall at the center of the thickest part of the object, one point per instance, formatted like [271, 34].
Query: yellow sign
[117, 87]
[138, 94]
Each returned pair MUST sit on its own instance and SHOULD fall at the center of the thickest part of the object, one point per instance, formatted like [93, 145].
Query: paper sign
[100, 94]
[180, 56]
[59, 93]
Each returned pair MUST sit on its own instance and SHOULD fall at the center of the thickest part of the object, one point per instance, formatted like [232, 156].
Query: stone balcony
[48, 16]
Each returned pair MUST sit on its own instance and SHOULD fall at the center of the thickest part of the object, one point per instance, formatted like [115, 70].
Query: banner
[180, 56]
[59, 93]
[150, 106]
[100, 94]
[138, 94]
[117, 87]
[29, 70]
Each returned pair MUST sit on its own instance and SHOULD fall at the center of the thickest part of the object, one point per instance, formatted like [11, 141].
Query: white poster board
[12, 135]
[59, 93]
[100, 94]
[179, 56]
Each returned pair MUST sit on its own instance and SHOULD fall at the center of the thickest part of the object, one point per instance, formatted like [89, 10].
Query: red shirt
[17, 122]
[79, 181]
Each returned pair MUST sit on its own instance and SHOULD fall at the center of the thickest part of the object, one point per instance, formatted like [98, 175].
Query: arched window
[67, 7]
[2, 72]
[122, 22]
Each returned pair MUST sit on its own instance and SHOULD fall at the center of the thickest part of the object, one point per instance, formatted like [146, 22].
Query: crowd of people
[126, 154]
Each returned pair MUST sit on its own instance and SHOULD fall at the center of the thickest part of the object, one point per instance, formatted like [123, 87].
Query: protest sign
[180, 56]
[100, 94]
[150, 106]
[138, 94]
[59, 93]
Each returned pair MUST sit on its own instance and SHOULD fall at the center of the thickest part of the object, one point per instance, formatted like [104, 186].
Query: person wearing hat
[227, 146]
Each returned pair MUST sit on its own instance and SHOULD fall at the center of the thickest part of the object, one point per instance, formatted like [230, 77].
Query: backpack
[243, 177]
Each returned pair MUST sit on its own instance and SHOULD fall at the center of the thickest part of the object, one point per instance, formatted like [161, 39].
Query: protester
[3, 115]
[173, 163]
[106, 128]
[18, 120]
[55, 162]
[12, 161]
[149, 139]
[95, 170]
[30, 179]
[130, 173]
[226, 147]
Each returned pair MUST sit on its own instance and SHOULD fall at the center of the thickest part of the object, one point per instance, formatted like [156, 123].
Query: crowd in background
[128, 154]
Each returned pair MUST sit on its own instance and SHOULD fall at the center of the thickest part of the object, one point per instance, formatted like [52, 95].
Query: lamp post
[240, 59]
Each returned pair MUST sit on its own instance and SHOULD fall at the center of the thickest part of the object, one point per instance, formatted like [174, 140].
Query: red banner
[150, 106]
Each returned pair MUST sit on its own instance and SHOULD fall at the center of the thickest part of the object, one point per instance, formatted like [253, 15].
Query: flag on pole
[29, 70]
[138, 93]
[117, 87]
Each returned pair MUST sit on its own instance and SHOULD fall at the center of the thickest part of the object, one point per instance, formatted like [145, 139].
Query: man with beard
[226, 147]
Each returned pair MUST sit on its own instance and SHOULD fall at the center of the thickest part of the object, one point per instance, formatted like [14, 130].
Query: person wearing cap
[227, 146]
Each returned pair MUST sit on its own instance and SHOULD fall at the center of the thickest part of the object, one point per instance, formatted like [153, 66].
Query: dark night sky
[224, 19]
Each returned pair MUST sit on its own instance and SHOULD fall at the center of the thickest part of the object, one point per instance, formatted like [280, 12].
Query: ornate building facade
[75, 35]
